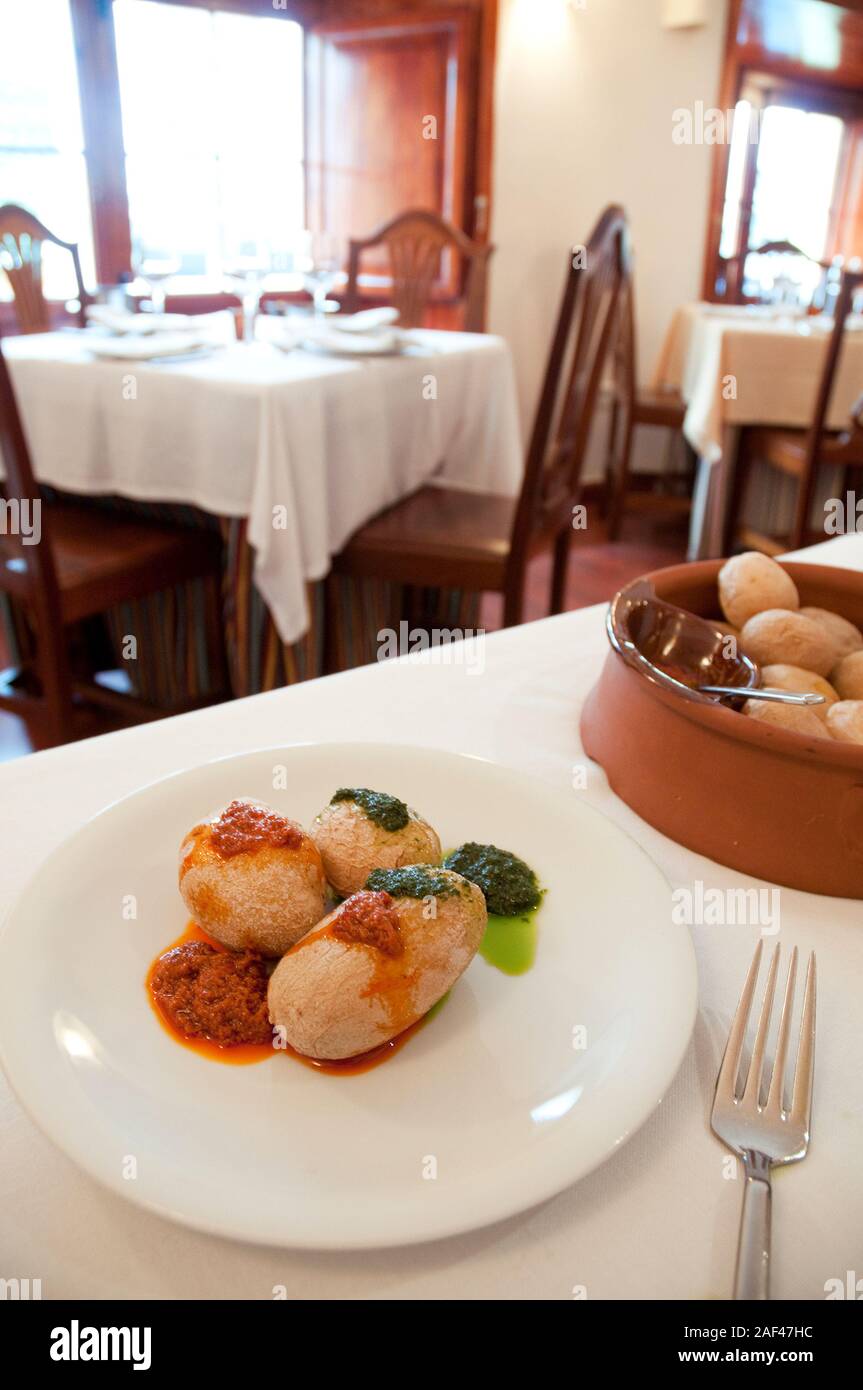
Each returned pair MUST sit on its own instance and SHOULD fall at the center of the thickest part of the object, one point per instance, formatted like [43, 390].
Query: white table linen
[659, 1220]
[742, 366]
[748, 365]
[307, 447]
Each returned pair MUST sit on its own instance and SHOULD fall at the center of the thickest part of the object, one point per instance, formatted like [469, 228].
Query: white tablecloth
[749, 365]
[659, 1220]
[307, 447]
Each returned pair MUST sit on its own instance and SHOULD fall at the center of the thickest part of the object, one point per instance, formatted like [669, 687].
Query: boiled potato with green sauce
[378, 963]
[362, 830]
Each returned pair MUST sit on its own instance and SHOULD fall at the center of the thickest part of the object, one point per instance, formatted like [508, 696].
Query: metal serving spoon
[685, 653]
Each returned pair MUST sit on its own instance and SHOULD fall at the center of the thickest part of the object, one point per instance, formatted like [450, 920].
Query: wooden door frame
[479, 22]
[459, 24]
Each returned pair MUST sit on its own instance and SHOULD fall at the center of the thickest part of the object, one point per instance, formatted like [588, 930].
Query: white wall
[583, 117]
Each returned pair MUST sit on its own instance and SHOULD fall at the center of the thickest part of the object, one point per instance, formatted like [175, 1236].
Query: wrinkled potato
[784, 677]
[351, 843]
[797, 718]
[845, 721]
[751, 583]
[846, 636]
[779, 637]
[260, 898]
[375, 966]
[848, 677]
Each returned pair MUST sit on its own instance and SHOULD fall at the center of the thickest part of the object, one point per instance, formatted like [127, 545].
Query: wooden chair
[798, 453]
[730, 276]
[84, 562]
[633, 406]
[442, 537]
[21, 239]
[415, 243]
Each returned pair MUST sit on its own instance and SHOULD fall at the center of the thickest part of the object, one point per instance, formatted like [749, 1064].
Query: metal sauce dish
[685, 653]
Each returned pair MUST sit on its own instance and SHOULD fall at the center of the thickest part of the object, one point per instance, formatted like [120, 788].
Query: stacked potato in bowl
[798, 649]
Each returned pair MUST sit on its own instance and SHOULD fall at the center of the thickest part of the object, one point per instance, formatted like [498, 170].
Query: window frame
[104, 151]
[763, 90]
[102, 118]
[752, 71]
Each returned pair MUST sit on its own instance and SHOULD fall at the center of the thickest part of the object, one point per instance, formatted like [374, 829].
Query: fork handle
[752, 1275]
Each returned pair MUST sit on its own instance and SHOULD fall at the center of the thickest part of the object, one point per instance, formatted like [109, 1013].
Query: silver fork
[762, 1134]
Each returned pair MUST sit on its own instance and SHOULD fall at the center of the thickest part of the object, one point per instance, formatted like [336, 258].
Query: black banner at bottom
[221, 1339]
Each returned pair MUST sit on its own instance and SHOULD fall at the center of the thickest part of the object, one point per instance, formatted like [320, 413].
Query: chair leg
[513, 600]
[559, 571]
[608, 480]
[51, 661]
[619, 481]
[803, 508]
[217, 645]
[332, 655]
[737, 493]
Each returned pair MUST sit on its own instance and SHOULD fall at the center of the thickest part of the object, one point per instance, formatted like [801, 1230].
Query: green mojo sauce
[413, 881]
[513, 896]
[386, 811]
[509, 943]
[509, 885]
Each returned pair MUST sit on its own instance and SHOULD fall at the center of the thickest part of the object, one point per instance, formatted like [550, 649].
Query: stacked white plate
[370, 333]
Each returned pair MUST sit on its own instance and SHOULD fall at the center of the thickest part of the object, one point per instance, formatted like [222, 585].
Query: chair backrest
[732, 267]
[850, 285]
[25, 569]
[416, 242]
[850, 443]
[588, 322]
[21, 239]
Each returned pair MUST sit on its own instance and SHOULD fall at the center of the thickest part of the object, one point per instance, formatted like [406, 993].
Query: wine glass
[250, 271]
[156, 273]
[323, 270]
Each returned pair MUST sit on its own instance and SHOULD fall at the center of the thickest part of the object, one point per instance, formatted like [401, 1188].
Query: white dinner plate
[122, 321]
[134, 348]
[366, 321]
[387, 342]
[518, 1086]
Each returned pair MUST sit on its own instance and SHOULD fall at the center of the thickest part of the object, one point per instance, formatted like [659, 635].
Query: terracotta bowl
[773, 804]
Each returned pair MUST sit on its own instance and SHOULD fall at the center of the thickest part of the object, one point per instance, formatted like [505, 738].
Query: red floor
[597, 570]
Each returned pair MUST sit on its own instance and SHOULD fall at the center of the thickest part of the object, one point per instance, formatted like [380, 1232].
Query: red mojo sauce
[242, 827]
[184, 980]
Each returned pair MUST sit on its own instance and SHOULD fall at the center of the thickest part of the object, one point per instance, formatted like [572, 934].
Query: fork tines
[747, 1106]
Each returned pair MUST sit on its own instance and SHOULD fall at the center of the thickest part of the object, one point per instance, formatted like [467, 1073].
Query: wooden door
[391, 121]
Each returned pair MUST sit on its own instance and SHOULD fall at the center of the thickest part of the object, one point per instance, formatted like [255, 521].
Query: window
[198, 153]
[797, 149]
[777, 148]
[212, 106]
[41, 143]
[731, 208]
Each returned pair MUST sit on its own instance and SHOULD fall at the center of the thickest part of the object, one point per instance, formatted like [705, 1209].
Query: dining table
[287, 447]
[738, 365]
[658, 1219]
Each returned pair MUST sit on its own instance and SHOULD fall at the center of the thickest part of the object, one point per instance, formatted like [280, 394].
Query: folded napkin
[218, 327]
[141, 347]
[123, 321]
[366, 321]
[316, 336]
